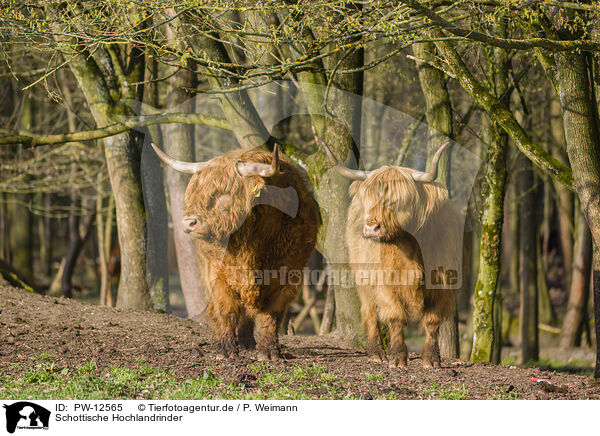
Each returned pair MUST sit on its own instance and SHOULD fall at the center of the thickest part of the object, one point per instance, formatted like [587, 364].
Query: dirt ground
[75, 333]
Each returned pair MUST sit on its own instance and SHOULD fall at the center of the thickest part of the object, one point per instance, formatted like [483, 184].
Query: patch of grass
[509, 361]
[328, 378]
[48, 357]
[373, 377]
[259, 367]
[301, 383]
[572, 366]
[46, 380]
[504, 395]
[389, 396]
[455, 392]
[301, 373]
[87, 368]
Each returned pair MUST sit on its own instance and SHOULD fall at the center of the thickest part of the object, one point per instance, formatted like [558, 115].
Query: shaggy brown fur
[243, 230]
[419, 232]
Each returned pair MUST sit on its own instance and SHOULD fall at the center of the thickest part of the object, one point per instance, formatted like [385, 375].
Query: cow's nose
[371, 230]
[189, 223]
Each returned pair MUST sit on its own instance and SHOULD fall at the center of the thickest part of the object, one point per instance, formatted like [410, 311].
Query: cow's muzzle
[372, 231]
[190, 223]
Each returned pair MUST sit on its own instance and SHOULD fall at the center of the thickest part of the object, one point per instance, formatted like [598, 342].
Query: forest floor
[52, 348]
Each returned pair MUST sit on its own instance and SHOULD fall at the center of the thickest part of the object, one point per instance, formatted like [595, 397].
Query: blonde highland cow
[402, 224]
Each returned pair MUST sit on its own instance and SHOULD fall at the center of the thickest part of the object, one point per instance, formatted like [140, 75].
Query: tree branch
[32, 139]
[499, 114]
[506, 43]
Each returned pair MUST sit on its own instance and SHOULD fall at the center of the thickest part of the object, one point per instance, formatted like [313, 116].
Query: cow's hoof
[375, 353]
[431, 362]
[227, 348]
[222, 355]
[247, 343]
[397, 361]
[270, 354]
[375, 358]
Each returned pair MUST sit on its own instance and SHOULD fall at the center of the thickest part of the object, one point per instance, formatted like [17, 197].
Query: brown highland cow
[404, 240]
[255, 223]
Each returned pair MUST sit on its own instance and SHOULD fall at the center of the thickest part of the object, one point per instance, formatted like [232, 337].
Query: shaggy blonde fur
[420, 232]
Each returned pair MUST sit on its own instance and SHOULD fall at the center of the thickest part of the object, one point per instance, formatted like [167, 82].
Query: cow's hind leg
[268, 346]
[431, 349]
[271, 318]
[398, 354]
[245, 332]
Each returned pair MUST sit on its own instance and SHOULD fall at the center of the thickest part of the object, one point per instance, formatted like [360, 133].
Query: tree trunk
[123, 153]
[76, 242]
[46, 226]
[104, 233]
[19, 215]
[156, 207]
[580, 284]
[332, 189]
[439, 110]
[439, 120]
[581, 125]
[528, 231]
[487, 306]
[72, 252]
[564, 197]
[490, 252]
[545, 308]
[181, 146]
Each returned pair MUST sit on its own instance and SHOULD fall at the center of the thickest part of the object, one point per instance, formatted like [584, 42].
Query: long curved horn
[248, 169]
[419, 176]
[344, 171]
[184, 167]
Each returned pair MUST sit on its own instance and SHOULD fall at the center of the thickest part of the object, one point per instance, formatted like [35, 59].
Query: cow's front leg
[431, 349]
[268, 346]
[224, 312]
[398, 354]
[227, 343]
[368, 312]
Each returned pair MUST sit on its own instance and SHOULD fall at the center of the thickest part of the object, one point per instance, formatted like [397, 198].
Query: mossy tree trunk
[487, 309]
[439, 120]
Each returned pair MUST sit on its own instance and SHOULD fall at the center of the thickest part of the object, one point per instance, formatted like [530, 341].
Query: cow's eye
[223, 202]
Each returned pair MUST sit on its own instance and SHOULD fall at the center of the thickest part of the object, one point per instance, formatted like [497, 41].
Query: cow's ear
[354, 187]
[257, 188]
